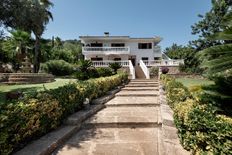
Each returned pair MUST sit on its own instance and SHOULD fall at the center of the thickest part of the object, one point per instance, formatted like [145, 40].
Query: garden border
[51, 141]
[169, 140]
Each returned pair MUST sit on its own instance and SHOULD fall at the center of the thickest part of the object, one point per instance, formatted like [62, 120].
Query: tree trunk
[37, 54]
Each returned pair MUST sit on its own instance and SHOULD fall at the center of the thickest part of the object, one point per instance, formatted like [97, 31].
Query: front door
[133, 60]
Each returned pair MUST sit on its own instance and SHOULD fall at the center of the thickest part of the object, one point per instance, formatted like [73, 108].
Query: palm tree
[40, 16]
[19, 39]
[218, 59]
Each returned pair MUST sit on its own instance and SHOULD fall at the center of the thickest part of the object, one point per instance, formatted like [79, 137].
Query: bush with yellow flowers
[33, 116]
[201, 129]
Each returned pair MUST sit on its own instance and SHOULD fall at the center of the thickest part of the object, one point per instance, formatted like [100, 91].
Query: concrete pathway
[129, 125]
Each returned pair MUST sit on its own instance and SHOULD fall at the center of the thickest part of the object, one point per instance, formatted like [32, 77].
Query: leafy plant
[104, 71]
[115, 66]
[37, 114]
[154, 71]
[58, 67]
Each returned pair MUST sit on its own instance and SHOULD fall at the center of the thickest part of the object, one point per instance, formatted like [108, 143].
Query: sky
[168, 19]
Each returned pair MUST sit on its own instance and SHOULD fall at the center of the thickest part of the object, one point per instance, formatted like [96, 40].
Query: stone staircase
[129, 125]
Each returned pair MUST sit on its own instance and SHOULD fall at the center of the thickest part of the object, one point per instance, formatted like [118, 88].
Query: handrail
[106, 63]
[132, 69]
[164, 62]
[145, 69]
[106, 50]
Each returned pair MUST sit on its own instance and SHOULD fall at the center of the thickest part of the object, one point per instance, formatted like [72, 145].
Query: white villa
[134, 53]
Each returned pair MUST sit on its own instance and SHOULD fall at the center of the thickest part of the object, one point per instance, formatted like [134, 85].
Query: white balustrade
[163, 62]
[145, 69]
[106, 50]
[132, 70]
[106, 63]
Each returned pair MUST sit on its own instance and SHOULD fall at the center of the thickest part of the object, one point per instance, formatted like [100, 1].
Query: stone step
[133, 105]
[133, 82]
[122, 117]
[137, 93]
[133, 101]
[142, 85]
[112, 141]
[139, 88]
[144, 80]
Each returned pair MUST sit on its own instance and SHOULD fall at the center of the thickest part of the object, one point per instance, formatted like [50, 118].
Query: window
[145, 58]
[144, 45]
[117, 45]
[96, 59]
[96, 44]
[157, 58]
[117, 59]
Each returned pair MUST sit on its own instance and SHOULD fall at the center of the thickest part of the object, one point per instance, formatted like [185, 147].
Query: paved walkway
[129, 125]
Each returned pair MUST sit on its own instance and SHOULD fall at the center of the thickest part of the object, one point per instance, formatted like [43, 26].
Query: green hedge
[32, 117]
[201, 129]
[58, 67]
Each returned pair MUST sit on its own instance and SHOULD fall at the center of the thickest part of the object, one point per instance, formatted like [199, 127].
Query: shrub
[86, 70]
[35, 115]
[154, 71]
[164, 70]
[176, 92]
[115, 66]
[59, 67]
[103, 71]
[200, 128]
[200, 131]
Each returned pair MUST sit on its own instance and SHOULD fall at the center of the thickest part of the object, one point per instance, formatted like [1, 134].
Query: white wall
[133, 44]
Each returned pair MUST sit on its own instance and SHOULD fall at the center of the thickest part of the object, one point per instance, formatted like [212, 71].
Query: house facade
[137, 54]
[120, 48]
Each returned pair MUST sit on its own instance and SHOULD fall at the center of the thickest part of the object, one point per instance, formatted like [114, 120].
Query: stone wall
[25, 78]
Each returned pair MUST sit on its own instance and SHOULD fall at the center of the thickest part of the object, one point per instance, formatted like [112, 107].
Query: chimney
[107, 34]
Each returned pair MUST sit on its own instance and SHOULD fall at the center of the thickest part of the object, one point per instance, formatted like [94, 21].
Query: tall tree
[27, 15]
[209, 24]
[40, 16]
[217, 59]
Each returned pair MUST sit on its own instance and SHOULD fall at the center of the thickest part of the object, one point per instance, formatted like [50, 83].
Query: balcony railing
[106, 63]
[106, 50]
[163, 62]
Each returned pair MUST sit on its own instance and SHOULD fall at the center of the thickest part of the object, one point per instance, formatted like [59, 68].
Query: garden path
[130, 124]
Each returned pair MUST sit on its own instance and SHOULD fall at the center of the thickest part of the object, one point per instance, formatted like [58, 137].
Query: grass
[32, 87]
[188, 82]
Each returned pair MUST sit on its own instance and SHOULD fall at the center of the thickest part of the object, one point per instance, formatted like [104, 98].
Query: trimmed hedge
[31, 117]
[200, 128]
[58, 67]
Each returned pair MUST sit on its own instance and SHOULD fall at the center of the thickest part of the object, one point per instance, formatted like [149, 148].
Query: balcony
[105, 50]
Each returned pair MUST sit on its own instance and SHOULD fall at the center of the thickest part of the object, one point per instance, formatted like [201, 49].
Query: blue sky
[169, 19]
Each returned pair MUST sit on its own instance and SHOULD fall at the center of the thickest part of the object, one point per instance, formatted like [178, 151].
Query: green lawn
[26, 88]
[188, 82]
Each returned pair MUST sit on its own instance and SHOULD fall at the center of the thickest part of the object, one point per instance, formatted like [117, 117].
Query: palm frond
[215, 50]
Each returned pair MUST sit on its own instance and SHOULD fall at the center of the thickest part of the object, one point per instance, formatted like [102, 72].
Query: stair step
[140, 95]
[122, 125]
[141, 85]
[143, 82]
[133, 100]
[137, 93]
[125, 117]
[112, 141]
[133, 105]
[139, 89]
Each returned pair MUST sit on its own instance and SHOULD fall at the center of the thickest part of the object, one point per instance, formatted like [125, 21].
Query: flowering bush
[200, 128]
[164, 70]
[38, 114]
